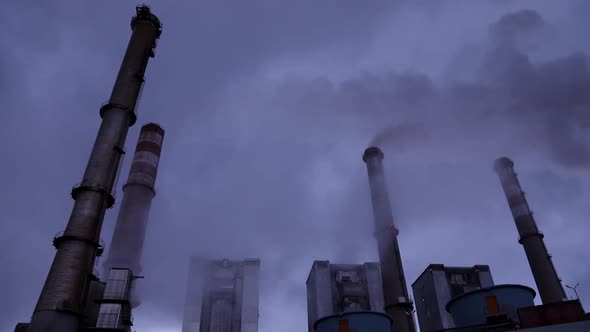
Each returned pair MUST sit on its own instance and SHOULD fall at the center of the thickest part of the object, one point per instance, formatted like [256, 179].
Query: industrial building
[448, 298]
[337, 288]
[511, 308]
[438, 284]
[222, 296]
[506, 307]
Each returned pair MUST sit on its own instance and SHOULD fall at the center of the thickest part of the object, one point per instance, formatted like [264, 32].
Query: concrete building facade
[438, 284]
[222, 296]
[338, 288]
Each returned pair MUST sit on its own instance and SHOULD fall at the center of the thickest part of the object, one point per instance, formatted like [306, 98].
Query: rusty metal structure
[61, 303]
[126, 246]
[544, 273]
[395, 292]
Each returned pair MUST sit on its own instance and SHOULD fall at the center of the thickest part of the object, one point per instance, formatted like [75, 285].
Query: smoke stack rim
[144, 14]
[503, 163]
[153, 127]
[372, 151]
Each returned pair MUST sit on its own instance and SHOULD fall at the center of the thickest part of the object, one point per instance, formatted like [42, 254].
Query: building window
[109, 315]
[347, 276]
[351, 304]
[118, 283]
[457, 279]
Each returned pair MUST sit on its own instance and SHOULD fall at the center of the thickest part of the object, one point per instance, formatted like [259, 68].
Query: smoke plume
[402, 135]
[513, 103]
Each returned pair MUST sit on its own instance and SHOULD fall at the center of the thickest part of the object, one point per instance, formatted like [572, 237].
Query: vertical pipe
[250, 293]
[548, 283]
[61, 302]
[195, 289]
[126, 246]
[238, 297]
[395, 292]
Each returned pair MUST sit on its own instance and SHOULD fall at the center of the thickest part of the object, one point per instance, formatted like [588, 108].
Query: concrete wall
[319, 293]
[441, 287]
[251, 270]
[324, 292]
[432, 291]
[95, 292]
[194, 295]
[485, 279]
[429, 293]
[374, 286]
[222, 296]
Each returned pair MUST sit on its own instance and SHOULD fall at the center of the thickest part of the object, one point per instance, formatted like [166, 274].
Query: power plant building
[222, 296]
[438, 284]
[333, 289]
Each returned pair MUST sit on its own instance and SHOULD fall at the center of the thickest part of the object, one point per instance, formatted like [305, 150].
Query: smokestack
[61, 302]
[395, 292]
[548, 283]
[127, 243]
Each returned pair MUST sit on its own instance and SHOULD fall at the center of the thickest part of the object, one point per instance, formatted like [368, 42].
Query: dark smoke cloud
[545, 105]
[510, 26]
[402, 136]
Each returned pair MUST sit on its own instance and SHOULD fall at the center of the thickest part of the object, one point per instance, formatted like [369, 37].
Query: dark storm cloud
[253, 167]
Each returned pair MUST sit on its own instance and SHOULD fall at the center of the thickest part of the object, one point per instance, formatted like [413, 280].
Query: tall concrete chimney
[395, 292]
[127, 244]
[548, 283]
[61, 302]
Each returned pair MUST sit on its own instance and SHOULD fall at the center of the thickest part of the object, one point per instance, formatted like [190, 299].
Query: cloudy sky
[268, 106]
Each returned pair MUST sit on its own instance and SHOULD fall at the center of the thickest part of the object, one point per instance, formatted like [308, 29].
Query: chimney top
[502, 163]
[153, 127]
[144, 13]
[372, 151]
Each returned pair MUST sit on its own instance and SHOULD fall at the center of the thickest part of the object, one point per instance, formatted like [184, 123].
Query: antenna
[574, 289]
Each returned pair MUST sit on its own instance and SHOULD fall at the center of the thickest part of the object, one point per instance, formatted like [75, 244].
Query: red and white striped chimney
[147, 156]
[127, 244]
